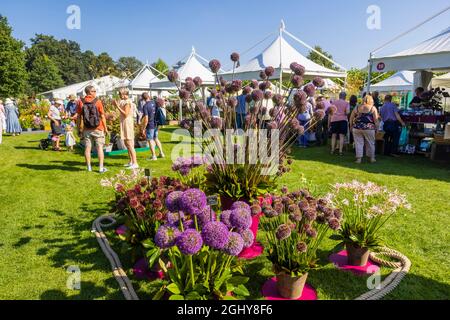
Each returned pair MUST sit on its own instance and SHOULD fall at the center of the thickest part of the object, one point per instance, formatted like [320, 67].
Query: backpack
[91, 116]
[160, 118]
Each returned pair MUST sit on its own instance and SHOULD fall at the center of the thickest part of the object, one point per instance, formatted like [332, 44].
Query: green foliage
[13, 75]
[44, 75]
[314, 56]
[126, 66]
[161, 66]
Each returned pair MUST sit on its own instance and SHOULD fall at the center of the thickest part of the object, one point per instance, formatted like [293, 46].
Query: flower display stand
[340, 261]
[270, 292]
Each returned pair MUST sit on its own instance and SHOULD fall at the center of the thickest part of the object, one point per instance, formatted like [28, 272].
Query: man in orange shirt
[91, 124]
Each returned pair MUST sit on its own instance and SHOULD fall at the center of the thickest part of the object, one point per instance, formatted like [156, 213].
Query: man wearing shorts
[150, 127]
[95, 135]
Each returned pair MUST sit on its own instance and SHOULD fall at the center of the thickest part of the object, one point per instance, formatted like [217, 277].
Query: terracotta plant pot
[357, 256]
[290, 287]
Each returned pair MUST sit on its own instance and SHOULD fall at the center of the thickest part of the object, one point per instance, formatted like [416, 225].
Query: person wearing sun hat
[12, 118]
[54, 114]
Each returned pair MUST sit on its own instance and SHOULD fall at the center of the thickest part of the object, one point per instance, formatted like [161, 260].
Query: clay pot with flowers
[295, 225]
[366, 207]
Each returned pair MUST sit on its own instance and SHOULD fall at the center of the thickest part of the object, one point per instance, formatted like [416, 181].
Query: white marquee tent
[399, 82]
[432, 54]
[442, 81]
[104, 85]
[280, 54]
[143, 81]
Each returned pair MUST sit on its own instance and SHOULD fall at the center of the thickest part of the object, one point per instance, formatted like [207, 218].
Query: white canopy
[432, 54]
[441, 81]
[104, 85]
[401, 81]
[280, 53]
[143, 79]
[191, 68]
[329, 85]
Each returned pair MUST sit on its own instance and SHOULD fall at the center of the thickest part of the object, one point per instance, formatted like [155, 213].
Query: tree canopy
[317, 58]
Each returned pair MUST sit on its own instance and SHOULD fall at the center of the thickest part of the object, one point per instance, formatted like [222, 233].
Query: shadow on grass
[88, 291]
[412, 166]
[22, 242]
[44, 167]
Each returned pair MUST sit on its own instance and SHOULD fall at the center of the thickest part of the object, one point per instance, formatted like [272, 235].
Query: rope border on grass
[386, 286]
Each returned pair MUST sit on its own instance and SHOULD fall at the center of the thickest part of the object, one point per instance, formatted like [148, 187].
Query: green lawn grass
[48, 203]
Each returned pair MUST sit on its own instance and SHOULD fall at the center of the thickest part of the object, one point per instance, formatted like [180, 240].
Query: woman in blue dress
[12, 118]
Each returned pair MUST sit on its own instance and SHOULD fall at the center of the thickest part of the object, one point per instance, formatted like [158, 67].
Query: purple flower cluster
[193, 201]
[185, 165]
[235, 244]
[189, 242]
[214, 65]
[215, 235]
[166, 236]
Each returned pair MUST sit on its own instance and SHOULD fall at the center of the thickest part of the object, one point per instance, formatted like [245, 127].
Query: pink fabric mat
[270, 292]
[340, 261]
[141, 271]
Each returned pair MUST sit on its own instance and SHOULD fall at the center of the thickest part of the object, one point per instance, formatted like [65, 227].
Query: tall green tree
[314, 56]
[103, 65]
[161, 66]
[126, 66]
[13, 74]
[44, 75]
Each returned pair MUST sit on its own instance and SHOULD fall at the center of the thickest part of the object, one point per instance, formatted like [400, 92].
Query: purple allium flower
[283, 232]
[277, 99]
[213, 93]
[297, 81]
[284, 190]
[235, 57]
[188, 79]
[172, 76]
[248, 98]
[206, 215]
[269, 71]
[232, 102]
[229, 88]
[225, 218]
[318, 82]
[298, 69]
[263, 75]
[334, 224]
[241, 205]
[257, 95]
[216, 123]
[184, 94]
[189, 242]
[254, 84]
[223, 82]
[119, 188]
[189, 86]
[134, 203]
[310, 90]
[166, 236]
[215, 235]
[198, 81]
[310, 214]
[174, 217]
[267, 95]
[214, 65]
[302, 247]
[248, 237]
[236, 85]
[235, 244]
[295, 216]
[193, 200]
[311, 232]
[246, 90]
[173, 201]
[188, 224]
[337, 214]
[255, 209]
[241, 219]
[263, 86]
[300, 98]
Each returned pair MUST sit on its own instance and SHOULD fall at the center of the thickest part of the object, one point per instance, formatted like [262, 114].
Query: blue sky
[169, 28]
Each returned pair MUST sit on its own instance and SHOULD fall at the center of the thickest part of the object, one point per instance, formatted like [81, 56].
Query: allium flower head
[297, 81]
[318, 82]
[263, 86]
[263, 75]
[334, 224]
[235, 57]
[216, 123]
[268, 95]
[241, 205]
[312, 233]
[193, 200]
[254, 84]
[160, 102]
[310, 214]
[184, 94]
[269, 71]
[300, 98]
[166, 236]
[189, 242]
[246, 90]
[241, 219]
[257, 95]
[174, 217]
[173, 201]
[283, 232]
[225, 218]
[232, 102]
[277, 99]
[298, 69]
[302, 247]
[248, 238]
[284, 190]
[215, 235]
[295, 216]
[255, 209]
[213, 93]
[223, 83]
[310, 90]
[214, 65]
[337, 214]
[172, 76]
[198, 81]
[248, 98]
[235, 244]
[190, 86]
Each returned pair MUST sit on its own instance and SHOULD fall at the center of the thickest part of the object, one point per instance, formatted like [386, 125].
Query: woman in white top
[127, 110]
[54, 114]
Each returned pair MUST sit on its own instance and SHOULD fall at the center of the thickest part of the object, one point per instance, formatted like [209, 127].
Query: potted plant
[202, 248]
[295, 225]
[366, 207]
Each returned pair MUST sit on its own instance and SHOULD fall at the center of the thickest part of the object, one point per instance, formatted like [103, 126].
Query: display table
[422, 119]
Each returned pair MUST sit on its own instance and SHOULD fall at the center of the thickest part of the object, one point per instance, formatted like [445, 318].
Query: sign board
[212, 200]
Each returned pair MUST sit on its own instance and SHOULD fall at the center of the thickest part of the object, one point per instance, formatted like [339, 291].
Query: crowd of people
[9, 119]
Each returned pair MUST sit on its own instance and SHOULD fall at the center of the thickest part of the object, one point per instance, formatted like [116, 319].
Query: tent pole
[369, 73]
[281, 57]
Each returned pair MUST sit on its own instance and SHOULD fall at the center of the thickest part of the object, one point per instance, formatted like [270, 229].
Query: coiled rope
[401, 267]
